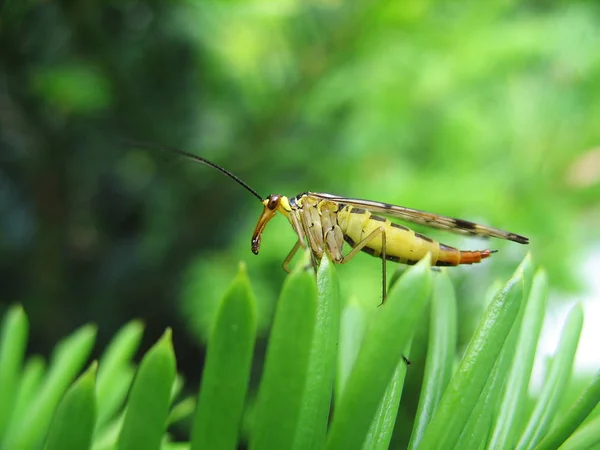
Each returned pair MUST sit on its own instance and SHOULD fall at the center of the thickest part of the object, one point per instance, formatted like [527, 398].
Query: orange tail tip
[470, 257]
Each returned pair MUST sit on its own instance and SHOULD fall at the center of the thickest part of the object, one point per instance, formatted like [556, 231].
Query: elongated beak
[267, 215]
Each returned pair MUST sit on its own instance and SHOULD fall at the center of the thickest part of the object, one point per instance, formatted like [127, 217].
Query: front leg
[290, 256]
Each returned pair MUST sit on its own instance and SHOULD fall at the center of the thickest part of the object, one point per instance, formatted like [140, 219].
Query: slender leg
[374, 234]
[288, 258]
[312, 245]
[359, 247]
[296, 224]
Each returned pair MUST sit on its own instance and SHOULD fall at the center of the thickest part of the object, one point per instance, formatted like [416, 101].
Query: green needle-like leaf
[182, 410]
[478, 428]
[108, 437]
[149, 399]
[576, 415]
[440, 354]
[385, 340]
[282, 389]
[469, 381]
[558, 378]
[175, 446]
[114, 372]
[68, 359]
[73, 423]
[382, 427]
[114, 399]
[13, 343]
[587, 436]
[226, 369]
[353, 323]
[29, 384]
[477, 431]
[527, 268]
[312, 424]
[512, 410]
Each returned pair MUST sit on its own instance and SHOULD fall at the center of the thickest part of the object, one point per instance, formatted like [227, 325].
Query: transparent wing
[425, 218]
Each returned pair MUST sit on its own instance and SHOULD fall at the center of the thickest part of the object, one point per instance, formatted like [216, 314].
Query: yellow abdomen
[402, 244]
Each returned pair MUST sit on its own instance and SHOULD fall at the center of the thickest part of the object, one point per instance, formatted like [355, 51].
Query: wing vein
[425, 218]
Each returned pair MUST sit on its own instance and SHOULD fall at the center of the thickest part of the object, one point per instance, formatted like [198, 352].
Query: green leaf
[477, 430]
[283, 384]
[558, 378]
[470, 379]
[527, 268]
[108, 437]
[353, 324]
[512, 410]
[382, 427]
[441, 353]
[314, 415]
[475, 433]
[574, 417]
[68, 359]
[587, 436]
[227, 369]
[114, 399]
[148, 405]
[175, 446]
[29, 384]
[13, 344]
[177, 386]
[386, 338]
[73, 422]
[182, 410]
[115, 373]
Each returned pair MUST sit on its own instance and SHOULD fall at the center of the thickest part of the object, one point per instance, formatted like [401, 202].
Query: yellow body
[323, 225]
[403, 245]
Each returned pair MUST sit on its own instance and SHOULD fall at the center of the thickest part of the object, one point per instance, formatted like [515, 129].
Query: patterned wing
[426, 218]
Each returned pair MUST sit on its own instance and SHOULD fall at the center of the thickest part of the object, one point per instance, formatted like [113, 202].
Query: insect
[323, 222]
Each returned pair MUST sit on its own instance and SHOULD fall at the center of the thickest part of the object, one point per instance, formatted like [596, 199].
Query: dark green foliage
[381, 351]
[285, 376]
[226, 370]
[441, 354]
[471, 406]
[28, 424]
[576, 415]
[74, 419]
[466, 386]
[91, 410]
[147, 410]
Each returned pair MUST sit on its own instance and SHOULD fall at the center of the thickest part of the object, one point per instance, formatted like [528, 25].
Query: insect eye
[273, 202]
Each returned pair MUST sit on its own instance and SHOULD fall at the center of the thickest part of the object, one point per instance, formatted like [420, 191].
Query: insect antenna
[194, 158]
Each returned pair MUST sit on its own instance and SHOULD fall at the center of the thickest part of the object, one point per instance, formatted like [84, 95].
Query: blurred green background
[488, 111]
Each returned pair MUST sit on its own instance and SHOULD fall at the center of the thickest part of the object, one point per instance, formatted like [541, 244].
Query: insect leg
[374, 234]
[288, 258]
[359, 246]
[316, 248]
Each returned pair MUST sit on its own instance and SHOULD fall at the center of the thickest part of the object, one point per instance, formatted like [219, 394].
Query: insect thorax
[316, 221]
